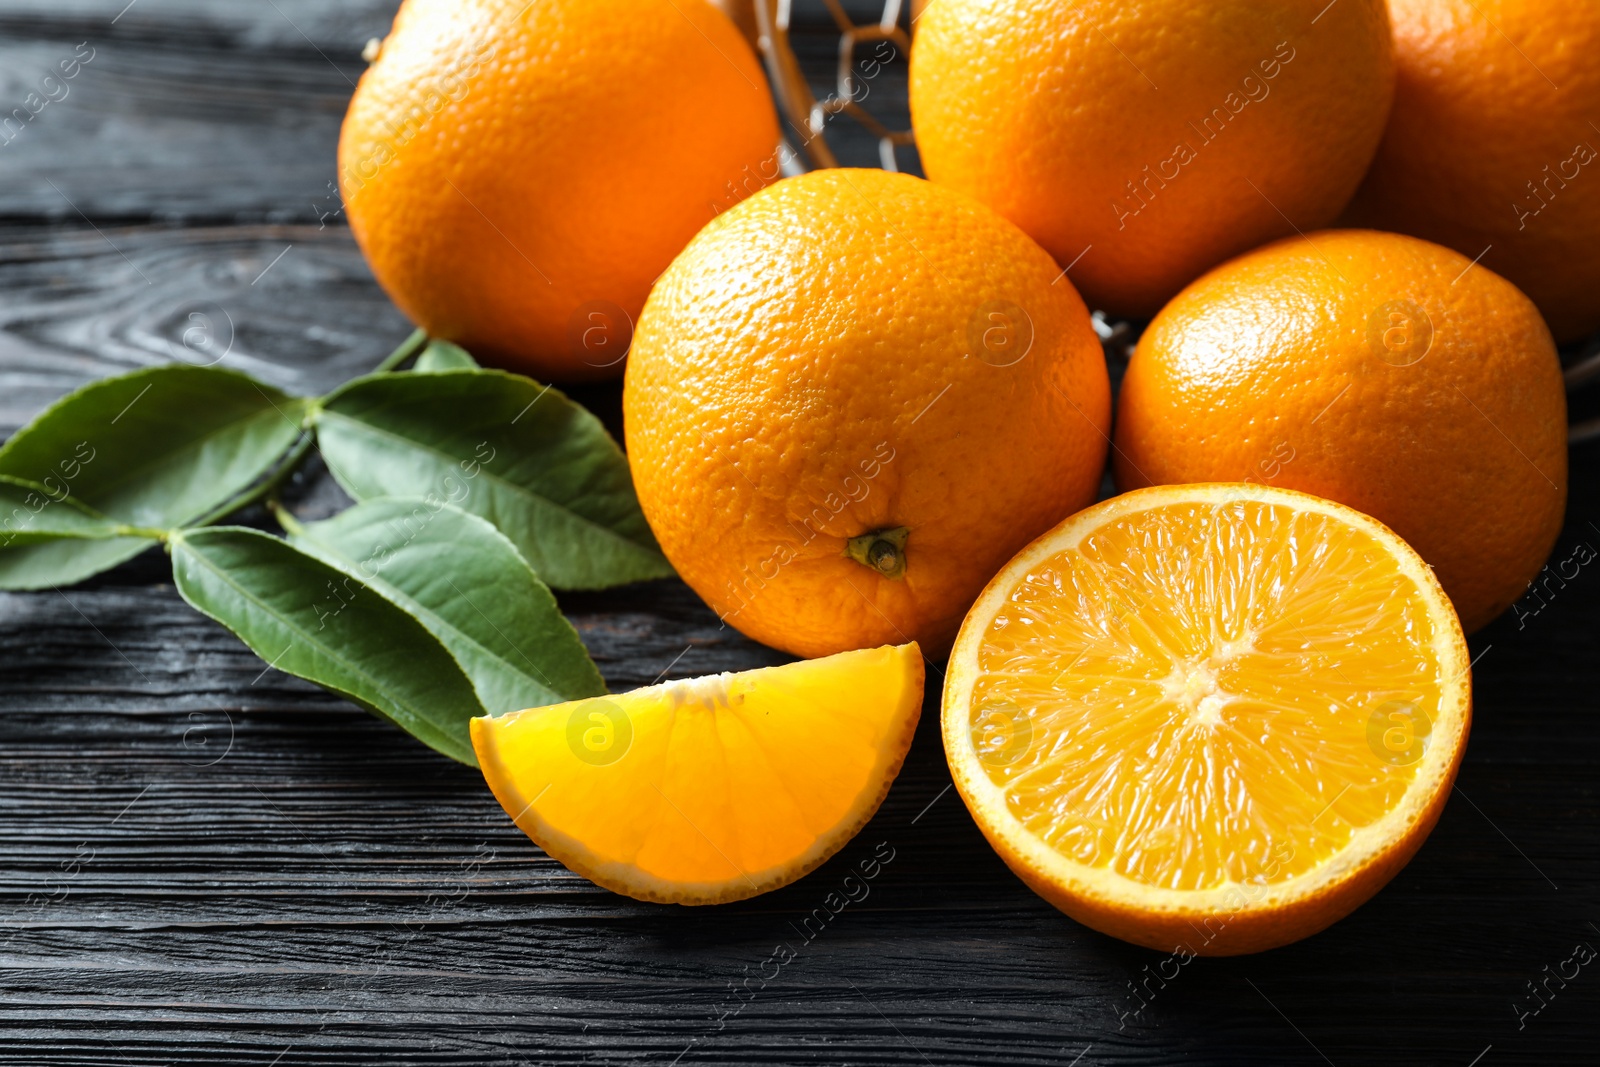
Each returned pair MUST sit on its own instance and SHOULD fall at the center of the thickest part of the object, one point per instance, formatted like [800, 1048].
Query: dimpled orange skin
[1047, 110]
[1475, 121]
[1289, 367]
[805, 373]
[513, 170]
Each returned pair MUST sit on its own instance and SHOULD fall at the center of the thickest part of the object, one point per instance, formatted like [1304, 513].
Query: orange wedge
[1209, 719]
[711, 789]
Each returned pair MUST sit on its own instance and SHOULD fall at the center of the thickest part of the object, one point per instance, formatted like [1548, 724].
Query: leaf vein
[520, 490]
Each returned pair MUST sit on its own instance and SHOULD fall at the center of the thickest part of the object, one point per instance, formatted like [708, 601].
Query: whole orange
[1379, 371]
[518, 173]
[850, 400]
[1492, 145]
[1143, 143]
[743, 14]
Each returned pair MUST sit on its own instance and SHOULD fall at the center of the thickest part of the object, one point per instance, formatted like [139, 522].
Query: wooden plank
[278, 26]
[195, 110]
[149, 131]
[294, 305]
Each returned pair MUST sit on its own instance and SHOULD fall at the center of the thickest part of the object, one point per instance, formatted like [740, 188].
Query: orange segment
[710, 789]
[1213, 716]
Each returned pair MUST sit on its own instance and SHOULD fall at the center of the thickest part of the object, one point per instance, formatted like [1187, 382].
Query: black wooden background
[202, 861]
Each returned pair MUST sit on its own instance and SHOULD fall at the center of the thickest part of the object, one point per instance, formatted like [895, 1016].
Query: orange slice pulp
[710, 789]
[1212, 718]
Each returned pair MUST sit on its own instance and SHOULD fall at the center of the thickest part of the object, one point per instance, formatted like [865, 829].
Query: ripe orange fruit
[1491, 147]
[518, 173]
[711, 789]
[743, 14]
[1143, 144]
[850, 400]
[1209, 719]
[1380, 371]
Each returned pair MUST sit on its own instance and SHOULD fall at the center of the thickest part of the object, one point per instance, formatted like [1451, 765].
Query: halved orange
[710, 789]
[1209, 718]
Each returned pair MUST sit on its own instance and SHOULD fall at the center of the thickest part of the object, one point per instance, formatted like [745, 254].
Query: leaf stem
[408, 348]
[269, 485]
[266, 487]
[285, 517]
[142, 531]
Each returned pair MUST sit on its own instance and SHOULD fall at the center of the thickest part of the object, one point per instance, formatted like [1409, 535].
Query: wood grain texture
[294, 305]
[151, 130]
[204, 861]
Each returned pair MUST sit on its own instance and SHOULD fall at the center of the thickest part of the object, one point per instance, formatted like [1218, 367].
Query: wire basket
[862, 80]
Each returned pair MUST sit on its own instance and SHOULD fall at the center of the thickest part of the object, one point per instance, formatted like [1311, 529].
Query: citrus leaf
[155, 449]
[316, 622]
[48, 541]
[158, 447]
[443, 355]
[540, 468]
[470, 588]
[64, 562]
[30, 514]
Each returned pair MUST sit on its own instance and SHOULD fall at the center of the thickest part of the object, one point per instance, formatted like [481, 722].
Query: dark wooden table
[202, 861]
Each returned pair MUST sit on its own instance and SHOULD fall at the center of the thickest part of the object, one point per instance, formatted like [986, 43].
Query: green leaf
[404, 351]
[540, 468]
[155, 449]
[29, 514]
[53, 564]
[313, 621]
[471, 589]
[48, 541]
[443, 355]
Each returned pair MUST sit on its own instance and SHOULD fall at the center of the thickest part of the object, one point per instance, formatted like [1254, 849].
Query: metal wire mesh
[872, 39]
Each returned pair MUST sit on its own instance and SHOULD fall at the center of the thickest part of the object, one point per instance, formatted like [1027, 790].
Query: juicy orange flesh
[1186, 697]
[710, 780]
